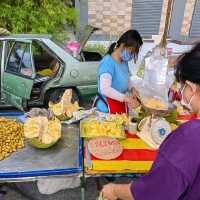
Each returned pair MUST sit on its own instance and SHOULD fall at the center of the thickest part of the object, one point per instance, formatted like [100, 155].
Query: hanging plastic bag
[170, 78]
[155, 80]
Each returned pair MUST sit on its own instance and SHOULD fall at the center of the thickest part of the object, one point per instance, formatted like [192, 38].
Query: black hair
[188, 66]
[130, 38]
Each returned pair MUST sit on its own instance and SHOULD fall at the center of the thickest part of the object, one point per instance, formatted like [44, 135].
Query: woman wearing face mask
[175, 174]
[113, 74]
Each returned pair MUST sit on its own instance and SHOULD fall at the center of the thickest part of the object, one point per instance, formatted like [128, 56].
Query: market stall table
[136, 158]
[29, 163]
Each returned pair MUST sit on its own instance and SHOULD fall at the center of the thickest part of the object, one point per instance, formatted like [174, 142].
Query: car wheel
[25, 105]
[55, 95]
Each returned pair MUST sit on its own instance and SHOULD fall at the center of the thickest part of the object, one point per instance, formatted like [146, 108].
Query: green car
[35, 70]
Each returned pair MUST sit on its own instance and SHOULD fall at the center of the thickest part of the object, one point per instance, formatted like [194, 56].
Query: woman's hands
[117, 191]
[135, 93]
[108, 192]
[128, 99]
[135, 103]
[133, 100]
[136, 98]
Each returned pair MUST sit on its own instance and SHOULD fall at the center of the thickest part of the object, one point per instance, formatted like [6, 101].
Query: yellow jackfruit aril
[155, 104]
[70, 108]
[56, 108]
[34, 126]
[121, 119]
[42, 130]
[54, 129]
[47, 139]
[67, 96]
[94, 128]
[65, 108]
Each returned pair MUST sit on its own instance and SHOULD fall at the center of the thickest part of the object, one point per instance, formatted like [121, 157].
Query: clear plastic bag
[155, 81]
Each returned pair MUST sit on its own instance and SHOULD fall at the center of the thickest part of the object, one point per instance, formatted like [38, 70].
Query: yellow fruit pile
[94, 128]
[64, 109]
[121, 119]
[43, 131]
[154, 104]
[11, 137]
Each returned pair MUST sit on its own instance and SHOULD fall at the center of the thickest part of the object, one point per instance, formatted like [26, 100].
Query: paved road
[30, 191]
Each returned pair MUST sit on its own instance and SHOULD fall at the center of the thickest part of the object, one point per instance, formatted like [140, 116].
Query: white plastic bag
[155, 81]
[170, 78]
[53, 185]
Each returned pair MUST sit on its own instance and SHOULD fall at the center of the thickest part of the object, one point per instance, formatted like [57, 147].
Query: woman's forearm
[107, 90]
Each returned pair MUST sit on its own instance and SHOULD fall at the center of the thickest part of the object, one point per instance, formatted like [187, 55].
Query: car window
[45, 62]
[15, 57]
[26, 62]
[19, 60]
[91, 56]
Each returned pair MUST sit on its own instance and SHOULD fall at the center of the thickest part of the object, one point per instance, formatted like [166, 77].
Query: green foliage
[96, 47]
[4, 31]
[172, 117]
[37, 16]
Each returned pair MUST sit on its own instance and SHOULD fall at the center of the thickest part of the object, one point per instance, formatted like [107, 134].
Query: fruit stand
[111, 144]
[29, 163]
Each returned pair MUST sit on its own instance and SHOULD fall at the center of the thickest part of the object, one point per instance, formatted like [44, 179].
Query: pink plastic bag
[73, 47]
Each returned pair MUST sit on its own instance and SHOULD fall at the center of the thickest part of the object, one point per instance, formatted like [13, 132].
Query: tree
[4, 31]
[37, 16]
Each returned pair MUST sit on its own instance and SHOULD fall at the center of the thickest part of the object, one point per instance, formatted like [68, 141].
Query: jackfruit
[41, 132]
[64, 109]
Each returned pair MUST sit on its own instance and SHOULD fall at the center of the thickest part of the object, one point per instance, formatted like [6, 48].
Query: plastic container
[132, 126]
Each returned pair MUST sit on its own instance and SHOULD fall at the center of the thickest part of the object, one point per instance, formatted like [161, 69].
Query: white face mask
[187, 105]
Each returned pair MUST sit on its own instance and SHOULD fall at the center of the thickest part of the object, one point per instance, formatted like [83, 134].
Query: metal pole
[83, 179]
[167, 23]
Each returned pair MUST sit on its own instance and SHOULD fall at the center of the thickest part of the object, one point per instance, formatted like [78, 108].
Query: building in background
[147, 16]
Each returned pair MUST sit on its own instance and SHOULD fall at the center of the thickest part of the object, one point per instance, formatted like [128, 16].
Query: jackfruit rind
[36, 143]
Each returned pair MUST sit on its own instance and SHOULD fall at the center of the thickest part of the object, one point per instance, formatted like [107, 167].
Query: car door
[19, 75]
[84, 35]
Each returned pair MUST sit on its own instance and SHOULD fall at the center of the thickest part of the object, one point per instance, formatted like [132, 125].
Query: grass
[96, 47]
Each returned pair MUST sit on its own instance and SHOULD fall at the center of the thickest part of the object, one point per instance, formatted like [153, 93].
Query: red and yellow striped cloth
[137, 157]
